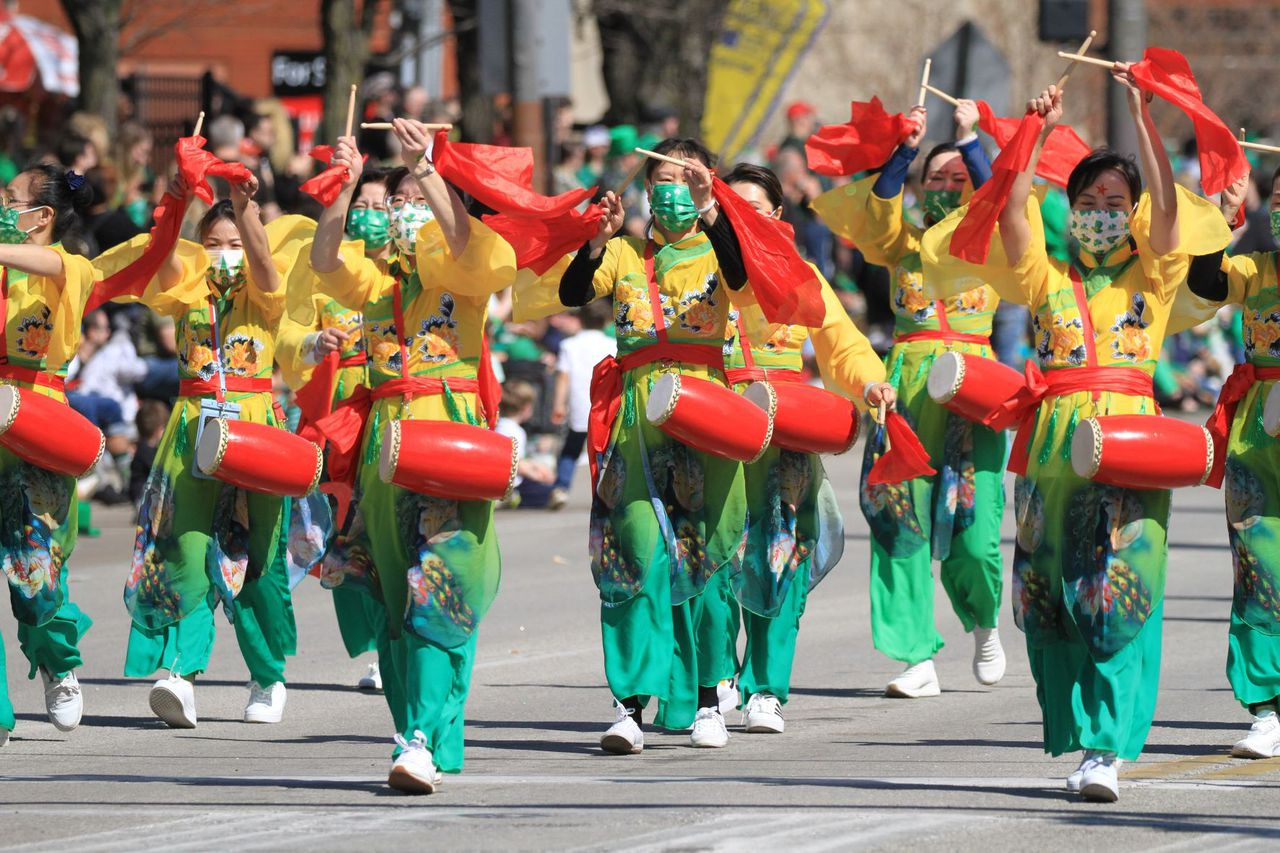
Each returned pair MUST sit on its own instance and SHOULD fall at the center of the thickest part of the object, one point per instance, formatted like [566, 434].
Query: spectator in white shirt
[571, 404]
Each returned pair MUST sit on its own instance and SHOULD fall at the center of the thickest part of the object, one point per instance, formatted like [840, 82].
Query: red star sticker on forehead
[1100, 189]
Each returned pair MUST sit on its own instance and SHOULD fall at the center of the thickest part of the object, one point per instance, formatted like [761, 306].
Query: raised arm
[447, 207]
[968, 144]
[1015, 230]
[253, 236]
[326, 247]
[1155, 163]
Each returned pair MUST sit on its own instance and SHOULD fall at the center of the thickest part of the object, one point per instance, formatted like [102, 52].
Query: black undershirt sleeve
[1206, 278]
[724, 242]
[576, 284]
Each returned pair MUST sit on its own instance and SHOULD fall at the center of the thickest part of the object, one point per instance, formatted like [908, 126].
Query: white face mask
[405, 224]
[1099, 231]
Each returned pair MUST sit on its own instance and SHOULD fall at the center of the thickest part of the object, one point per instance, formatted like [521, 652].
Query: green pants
[1105, 704]
[1253, 663]
[426, 689]
[654, 649]
[264, 626]
[55, 645]
[771, 643]
[360, 617]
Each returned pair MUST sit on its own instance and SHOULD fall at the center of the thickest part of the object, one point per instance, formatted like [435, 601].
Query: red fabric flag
[786, 287]
[906, 458]
[972, 238]
[500, 177]
[865, 142]
[194, 164]
[1166, 73]
[539, 243]
[325, 186]
[1061, 152]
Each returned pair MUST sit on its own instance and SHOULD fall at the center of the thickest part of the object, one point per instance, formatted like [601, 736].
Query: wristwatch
[425, 169]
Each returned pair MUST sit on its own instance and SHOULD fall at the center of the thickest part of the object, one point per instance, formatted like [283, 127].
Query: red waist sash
[606, 385]
[944, 335]
[237, 384]
[740, 375]
[14, 373]
[1021, 408]
[1242, 378]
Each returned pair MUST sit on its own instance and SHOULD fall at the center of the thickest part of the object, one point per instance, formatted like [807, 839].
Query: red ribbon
[326, 186]
[942, 335]
[1021, 407]
[237, 384]
[864, 142]
[14, 373]
[741, 375]
[906, 458]
[1242, 378]
[606, 386]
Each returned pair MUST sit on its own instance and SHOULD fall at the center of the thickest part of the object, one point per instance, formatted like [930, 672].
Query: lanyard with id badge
[217, 407]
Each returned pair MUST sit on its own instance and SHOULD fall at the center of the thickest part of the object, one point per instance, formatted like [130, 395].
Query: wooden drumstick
[386, 125]
[955, 102]
[663, 157]
[1087, 60]
[881, 418]
[631, 176]
[1084, 48]
[1259, 146]
[351, 109]
[199, 124]
[924, 81]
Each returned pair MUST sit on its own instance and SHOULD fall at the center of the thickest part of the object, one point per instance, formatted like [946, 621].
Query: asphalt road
[961, 771]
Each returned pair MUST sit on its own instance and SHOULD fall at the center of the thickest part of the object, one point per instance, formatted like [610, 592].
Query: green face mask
[10, 233]
[938, 203]
[371, 226]
[672, 206]
[1275, 224]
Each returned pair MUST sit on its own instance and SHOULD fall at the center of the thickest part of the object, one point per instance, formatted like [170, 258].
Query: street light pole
[1127, 38]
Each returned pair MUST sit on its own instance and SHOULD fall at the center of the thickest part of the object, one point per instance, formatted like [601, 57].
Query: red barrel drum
[709, 417]
[450, 460]
[259, 458]
[806, 419]
[1142, 451]
[970, 385]
[47, 432]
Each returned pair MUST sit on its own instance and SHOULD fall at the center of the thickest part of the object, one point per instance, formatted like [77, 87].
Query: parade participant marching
[199, 541]
[321, 342]
[952, 516]
[665, 518]
[1089, 563]
[43, 289]
[795, 534]
[1249, 476]
[432, 561]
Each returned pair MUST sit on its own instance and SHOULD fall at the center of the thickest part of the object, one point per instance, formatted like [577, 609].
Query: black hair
[395, 177]
[69, 147]
[1098, 161]
[765, 179]
[221, 210]
[595, 314]
[371, 176]
[937, 150]
[51, 187]
[679, 146]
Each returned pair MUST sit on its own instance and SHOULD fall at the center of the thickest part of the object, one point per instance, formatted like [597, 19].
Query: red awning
[29, 47]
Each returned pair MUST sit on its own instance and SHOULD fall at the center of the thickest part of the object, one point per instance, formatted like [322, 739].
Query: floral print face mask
[226, 268]
[1275, 225]
[406, 221]
[1099, 231]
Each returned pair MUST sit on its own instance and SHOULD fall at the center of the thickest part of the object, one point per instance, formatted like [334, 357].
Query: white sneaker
[414, 770]
[63, 700]
[1073, 781]
[988, 656]
[727, 696]
[915, 682]
[709, 730]
[266, 704]
[371, 680]
[1098, 779]
[173, 700]
[763, 715]
[624, 737]
[1263, 740]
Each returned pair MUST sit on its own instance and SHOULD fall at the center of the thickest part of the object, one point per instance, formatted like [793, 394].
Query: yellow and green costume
[39, 516]
[1089, 563]
[952, 516]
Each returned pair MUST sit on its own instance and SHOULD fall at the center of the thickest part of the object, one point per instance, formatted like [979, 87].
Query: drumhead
[1086, 448]
[761, 394]
[945, 376]
[211, 446]
[1270, 411]
[390, 456]
[9, 402]
[662, 399]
